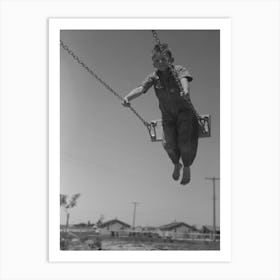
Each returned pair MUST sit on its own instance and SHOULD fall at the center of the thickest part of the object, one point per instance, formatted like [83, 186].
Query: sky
[106, 152]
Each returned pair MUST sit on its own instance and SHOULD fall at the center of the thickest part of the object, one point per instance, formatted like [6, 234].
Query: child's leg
[187, 143]
[187, 127]
[170, 145]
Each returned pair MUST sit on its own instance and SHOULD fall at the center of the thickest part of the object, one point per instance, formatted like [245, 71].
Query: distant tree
[100, 220]
[68, 204]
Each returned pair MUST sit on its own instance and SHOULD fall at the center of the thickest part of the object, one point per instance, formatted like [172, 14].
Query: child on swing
[180, 126]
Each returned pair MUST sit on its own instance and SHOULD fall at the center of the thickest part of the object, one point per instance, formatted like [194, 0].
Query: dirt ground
[118, 244]
[158, 245]
[91, 241]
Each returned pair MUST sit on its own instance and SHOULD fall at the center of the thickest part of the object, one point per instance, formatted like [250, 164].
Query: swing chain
[175, 75]
[155, 35]
[81, 63]
[70, 52]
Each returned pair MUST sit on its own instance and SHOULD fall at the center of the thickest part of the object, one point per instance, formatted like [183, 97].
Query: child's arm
[185, 85]
[133, 94]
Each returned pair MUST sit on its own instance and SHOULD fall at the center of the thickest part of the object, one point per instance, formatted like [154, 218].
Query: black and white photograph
[116, 183]
[139, 140]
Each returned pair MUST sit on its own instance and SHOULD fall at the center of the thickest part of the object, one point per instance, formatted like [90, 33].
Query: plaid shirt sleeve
[183, 73]
[147, 83]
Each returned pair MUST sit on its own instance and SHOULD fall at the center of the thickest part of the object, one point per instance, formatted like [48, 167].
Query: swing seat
[156, 131]
[205, 127]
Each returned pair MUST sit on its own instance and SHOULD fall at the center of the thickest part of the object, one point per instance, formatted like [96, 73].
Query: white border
[55, 25]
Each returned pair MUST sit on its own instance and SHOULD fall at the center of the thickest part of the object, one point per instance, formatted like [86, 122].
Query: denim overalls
[180, 127]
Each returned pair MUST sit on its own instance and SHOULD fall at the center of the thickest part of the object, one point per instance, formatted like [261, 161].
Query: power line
[214, 179]
[134, 213]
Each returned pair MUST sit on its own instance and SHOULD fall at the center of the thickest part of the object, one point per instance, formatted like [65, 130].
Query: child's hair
[163, 49]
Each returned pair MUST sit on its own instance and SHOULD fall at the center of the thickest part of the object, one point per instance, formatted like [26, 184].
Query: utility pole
[214, 179]
[134, 213]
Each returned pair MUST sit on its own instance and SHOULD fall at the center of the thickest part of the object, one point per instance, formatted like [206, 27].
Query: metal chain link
[80, 62]
[175, 75]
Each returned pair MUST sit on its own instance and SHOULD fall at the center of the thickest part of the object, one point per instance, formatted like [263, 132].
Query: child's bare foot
[186, 175]
[176, 171]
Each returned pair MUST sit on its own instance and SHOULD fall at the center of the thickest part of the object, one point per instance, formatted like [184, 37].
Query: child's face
[160, 61]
